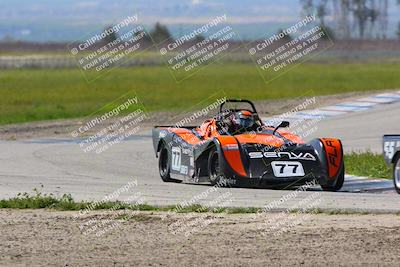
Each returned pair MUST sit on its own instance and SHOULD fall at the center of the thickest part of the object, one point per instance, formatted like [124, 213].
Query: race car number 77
[176, 158]
[287, 168]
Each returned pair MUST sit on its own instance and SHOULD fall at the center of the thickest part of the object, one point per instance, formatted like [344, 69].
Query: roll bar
[237, 101]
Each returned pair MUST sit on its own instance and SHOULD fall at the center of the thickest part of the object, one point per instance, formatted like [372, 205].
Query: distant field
[29, 95]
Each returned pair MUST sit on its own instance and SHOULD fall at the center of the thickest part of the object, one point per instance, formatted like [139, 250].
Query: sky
[170, 11]
[63, 20]
[68, 20]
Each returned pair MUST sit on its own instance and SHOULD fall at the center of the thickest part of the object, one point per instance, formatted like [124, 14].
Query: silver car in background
[391, 152]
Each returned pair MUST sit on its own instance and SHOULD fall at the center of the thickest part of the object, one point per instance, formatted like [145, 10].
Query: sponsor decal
[289, 155]
[228, 181]
[334, 154]
[184, 170]
[187, 151]
[231, 147]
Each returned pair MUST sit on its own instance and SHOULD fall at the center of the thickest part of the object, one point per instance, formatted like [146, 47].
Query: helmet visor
[246, 121]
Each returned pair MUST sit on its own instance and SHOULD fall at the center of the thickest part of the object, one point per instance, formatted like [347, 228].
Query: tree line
[340, 19]
[351, 19]
[159, 34]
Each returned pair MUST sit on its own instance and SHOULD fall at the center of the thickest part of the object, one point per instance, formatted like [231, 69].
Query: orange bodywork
[208, 129]
[291, 137]
[230, 148]
[334, 155]
[264, 139]
[186, 135]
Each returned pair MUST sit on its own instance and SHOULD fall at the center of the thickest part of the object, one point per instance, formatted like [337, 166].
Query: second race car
[237, 148]
[391, 149]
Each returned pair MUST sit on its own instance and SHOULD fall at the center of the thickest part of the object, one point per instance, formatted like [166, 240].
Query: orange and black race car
[237, 148]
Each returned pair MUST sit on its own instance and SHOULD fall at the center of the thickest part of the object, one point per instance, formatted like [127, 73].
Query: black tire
[338, 185]
[396, 173]
[214, 170]
[164, 166]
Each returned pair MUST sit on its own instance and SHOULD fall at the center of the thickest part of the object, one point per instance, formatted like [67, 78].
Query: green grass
[38, 200]
[41, 94]
[66, 203]
[367, 164]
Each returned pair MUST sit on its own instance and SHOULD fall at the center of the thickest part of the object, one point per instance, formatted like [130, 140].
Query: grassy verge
[41, 94]
[38, 200]
[67, 203]
[367, 164]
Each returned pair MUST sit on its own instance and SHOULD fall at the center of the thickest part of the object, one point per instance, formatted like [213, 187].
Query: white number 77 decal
[287, 168]
[176, 158]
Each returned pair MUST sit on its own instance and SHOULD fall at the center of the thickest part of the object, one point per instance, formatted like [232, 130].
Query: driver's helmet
[243, 119]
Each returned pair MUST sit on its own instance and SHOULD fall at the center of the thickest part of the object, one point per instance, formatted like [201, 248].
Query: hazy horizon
[69, 20]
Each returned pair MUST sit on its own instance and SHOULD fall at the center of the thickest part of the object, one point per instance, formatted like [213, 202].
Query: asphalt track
[362, 130]
[60, 166]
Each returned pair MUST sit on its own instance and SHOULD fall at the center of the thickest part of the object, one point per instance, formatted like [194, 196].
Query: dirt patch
[63, 128]
[42, 238]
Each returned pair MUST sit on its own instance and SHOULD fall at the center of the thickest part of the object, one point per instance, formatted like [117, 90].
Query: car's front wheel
[214, 168]
[164, 166]
[396, 173]
[338, 184]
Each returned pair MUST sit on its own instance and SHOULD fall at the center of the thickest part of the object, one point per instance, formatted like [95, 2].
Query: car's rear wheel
[338, 185]
[396, 173]
[164, 166]
[214, 168]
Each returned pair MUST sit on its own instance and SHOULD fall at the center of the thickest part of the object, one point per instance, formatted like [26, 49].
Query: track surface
[60, 166]
[364, 129]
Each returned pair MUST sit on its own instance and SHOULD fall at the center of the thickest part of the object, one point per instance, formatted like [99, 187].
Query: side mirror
[283, 124]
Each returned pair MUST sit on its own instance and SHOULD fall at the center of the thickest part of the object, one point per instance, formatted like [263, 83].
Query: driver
[243, 120]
